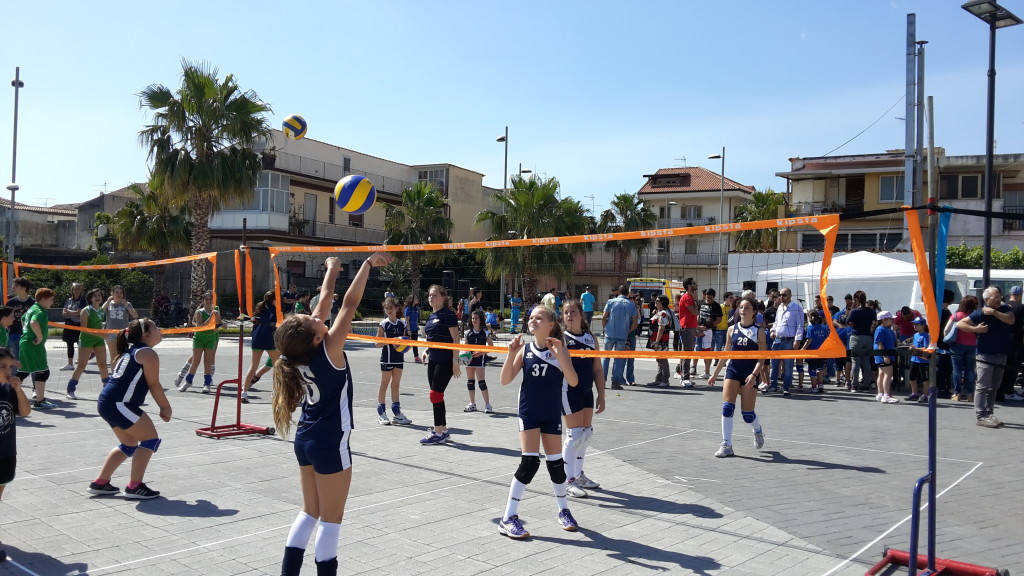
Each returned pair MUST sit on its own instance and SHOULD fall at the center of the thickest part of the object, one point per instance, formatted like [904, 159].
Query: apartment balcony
[277, 224]
[815, 208]
[333, 172]
[1013, 225]
[584, 266]
[676, 259]
[685, 222]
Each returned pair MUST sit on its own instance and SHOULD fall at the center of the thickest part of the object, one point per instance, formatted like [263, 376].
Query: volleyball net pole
[243, 265]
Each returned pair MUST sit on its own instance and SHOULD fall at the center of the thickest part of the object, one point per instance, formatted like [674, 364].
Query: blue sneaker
[435, 439]
[566, 521]
[513, 528]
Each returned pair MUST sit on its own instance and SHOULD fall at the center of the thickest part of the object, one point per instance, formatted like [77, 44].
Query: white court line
[26, 570]
[209, 545]
[898, 524]
[695, 478]
[819, 444]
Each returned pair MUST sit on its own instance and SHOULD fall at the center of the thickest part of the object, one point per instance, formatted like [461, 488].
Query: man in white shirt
[786, 333]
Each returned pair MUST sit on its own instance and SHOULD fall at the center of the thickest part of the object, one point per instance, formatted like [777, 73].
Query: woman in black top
[861, 319]
[442, 363]
[72, 310]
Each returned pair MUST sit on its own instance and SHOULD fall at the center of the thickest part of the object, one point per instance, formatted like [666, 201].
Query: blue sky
[596, 93]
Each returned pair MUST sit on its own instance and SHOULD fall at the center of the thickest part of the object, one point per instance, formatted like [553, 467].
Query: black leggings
[415, 336]
[439, 375]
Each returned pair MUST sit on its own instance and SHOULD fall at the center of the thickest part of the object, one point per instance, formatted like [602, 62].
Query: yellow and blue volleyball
[400, 348]
[294, 127]
[354, 194]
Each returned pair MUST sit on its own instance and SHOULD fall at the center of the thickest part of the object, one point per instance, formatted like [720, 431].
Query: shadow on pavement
[779, 458]
[182, 508]
[613, 499]
[35, 563]
[637, 554]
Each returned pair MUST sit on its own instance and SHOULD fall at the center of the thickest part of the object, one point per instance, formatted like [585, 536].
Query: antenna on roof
[104, 187]
[46, 201]
[683, 160]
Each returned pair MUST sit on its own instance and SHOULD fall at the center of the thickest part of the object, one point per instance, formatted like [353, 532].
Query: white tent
[892, 282]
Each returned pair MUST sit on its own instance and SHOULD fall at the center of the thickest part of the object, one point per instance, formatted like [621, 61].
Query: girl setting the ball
[313, 371]
[545, 370]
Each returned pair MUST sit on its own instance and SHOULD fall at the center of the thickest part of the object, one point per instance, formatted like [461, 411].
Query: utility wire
[866, 129]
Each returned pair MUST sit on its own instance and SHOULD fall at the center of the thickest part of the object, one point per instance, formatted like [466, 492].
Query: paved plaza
[828, 492]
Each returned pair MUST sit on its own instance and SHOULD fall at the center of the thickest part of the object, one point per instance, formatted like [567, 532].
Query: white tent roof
[865, 266]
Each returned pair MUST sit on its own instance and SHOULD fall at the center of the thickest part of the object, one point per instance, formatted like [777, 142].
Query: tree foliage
[628, 214]
[964, 256]
[762, 205]
[419, 220]
[138, 285]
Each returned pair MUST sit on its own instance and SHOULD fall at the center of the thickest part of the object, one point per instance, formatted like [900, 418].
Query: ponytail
[131, 335]
[294, 339]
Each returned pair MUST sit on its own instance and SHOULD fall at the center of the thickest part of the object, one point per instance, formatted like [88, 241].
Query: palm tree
[420, 220]
[200, 142]
[628, 214]
[532, 208]
[150, 223]
[761, 206]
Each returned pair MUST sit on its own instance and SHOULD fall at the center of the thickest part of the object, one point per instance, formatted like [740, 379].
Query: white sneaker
[383, 419]
[184, 386]
[890, 400]
[488, 409]
[706, 375]
[71, 395]
[583, 482]
[177, 380]
[571, 489]
[879, 398]
[688, 383]
[759, 439]
[1014, 397]
[400, 419]
[724, 451]
[70, 366]
[470, 407]
[206, 388]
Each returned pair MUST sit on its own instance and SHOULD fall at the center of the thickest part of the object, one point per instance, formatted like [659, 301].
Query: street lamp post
[13, 186]
[721, 212]
[996, 17]
[504, 190]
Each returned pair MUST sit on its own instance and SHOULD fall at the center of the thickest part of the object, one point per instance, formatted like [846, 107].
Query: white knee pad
[576, 437]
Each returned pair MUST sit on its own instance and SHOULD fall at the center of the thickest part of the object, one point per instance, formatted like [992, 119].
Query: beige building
[684, 197]
[865, 182]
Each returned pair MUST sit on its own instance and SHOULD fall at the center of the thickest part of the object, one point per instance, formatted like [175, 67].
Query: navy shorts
[546, 426]
[576, 398]
[389, 367]
[119, 414]
[7, 466]
[326, 456]
[815, 364]
[476, 362]
[918, 372]
[739, 370]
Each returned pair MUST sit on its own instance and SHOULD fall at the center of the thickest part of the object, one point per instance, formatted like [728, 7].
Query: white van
[1004, 279]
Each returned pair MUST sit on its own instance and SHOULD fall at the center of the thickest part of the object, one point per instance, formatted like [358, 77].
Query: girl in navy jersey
[547, 369]
[13, 402]
[264, 324]
[391, 364]
[442, 364]
[136, 374]
[477, 335]
[741, 375]
[578, 402]
[313, 370]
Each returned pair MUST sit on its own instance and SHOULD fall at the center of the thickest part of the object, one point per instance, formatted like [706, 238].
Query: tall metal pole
[990, 184]
[721, 220]
[919, 148]
[504, 190]
[938, 284]
[909, 132]
[13, 187]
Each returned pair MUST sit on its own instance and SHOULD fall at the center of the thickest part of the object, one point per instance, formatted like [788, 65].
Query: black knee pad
[471, 385]
[528, 466]
[556, 468]
[41, 376]
[482, 384]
